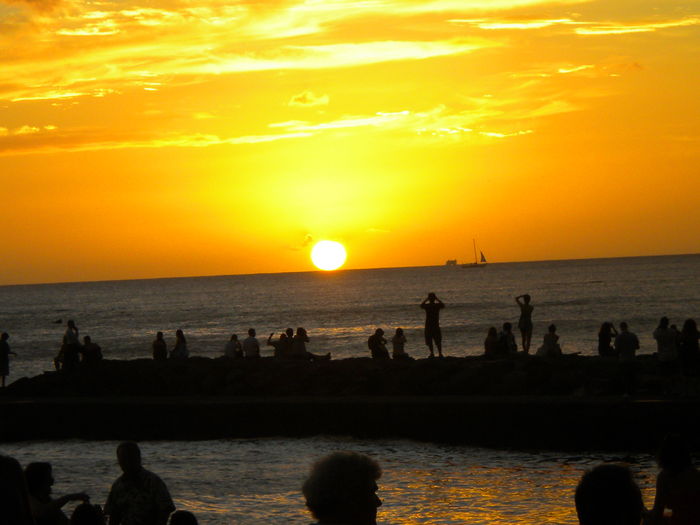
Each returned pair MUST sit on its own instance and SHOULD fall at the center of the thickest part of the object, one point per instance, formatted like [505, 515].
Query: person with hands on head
[432, 306]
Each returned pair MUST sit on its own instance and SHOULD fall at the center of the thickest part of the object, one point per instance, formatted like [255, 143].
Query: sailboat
[477, 263]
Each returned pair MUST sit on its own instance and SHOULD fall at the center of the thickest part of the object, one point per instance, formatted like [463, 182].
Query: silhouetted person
[282, 347]
[299, 344]
[626, 343]
[183, 517]
[87, 514]
[525, 321]
[251, 347]
[432, 306]
[605, 338]
[91, 352]
[5, 353]
[138, 496]
[677, 485]
[14, 498]
[180, 350]
[377, 345]
[491, 344]
[71, 347]
[233, 348]
[506, 341]
[398, 343]
[160, 348]
[550, 345]
[688, 347]
[608, 495]
[666, 341]
[342, 489]
[44, 509]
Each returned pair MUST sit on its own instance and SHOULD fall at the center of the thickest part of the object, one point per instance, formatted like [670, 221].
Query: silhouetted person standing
[138, 496]
[160, 348]
[688, 346]
[666, 341]
[626, 343]
[525, 322]
[605, 336]
[377, 345]
[342, 489]
[251, 346]
[5, 353]
[432, 306]
[608, 495]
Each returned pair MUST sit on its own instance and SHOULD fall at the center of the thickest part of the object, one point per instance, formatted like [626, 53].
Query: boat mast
[476, 261]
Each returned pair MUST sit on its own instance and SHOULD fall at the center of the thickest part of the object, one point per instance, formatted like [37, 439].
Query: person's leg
[429, 342]
[437, 335]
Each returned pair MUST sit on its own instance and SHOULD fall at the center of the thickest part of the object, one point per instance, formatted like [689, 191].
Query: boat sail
[477, 263]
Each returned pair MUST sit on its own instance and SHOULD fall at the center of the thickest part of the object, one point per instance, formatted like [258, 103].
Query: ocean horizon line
[317, 271]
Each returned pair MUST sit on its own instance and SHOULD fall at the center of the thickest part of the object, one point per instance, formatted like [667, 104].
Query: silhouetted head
[526, 298]
[289, 332]
[87, 340]
[5, 336]
[87, 514]
[159, 336]
[674, 454]
[14, 501]
[39, 478]
[70, 323]
[493, 332]
[689, 327]
[663, 322]
[432, 297]
[179, 335]
[283, 336]
[234, 337]
[182, 517]
[605, 328]
[399, 332]
[607, 495]
[251, 332]
[301, 331]
[552, 328]
[507, 326]
[129, 457]
[623, 326]
[379, 332]
[342, 488]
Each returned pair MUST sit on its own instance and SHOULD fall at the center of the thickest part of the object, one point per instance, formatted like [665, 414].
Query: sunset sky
[203, 137]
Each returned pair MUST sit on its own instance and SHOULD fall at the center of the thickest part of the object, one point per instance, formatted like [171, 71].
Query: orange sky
[199, 137]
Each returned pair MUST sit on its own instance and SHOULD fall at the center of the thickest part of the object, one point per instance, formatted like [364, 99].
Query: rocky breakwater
[569, 403]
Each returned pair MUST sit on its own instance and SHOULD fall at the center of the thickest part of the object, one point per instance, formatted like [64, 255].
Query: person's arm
[655, 515]
[269, 339]
[425, 301]
[517, 300]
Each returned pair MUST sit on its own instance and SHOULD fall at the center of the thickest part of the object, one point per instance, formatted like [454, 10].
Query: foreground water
[340, 310]
[249, 482]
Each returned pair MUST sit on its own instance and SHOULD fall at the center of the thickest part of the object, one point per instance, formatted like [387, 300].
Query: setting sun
[328, 255]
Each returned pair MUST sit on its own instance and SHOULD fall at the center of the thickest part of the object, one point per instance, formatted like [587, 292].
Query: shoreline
[570, 403]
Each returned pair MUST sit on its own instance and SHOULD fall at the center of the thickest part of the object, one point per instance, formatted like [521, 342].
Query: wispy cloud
[647, 27]
[309, 99]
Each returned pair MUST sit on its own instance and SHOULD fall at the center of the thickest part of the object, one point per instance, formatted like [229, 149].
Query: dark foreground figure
[342, 489]
[608, 495]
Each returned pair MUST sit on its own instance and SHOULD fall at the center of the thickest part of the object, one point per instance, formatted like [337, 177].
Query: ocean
[341, 309]
[253, 481]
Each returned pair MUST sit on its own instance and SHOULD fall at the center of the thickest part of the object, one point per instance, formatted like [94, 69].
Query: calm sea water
[249, 482]
[340, 310]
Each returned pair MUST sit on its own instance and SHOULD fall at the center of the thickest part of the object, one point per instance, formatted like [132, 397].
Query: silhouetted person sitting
[342, 489]
[605, 337]
[282, 347]
[491, 344]
[506, 341]
[233, 348]
[5, 353]
[251, 347]
[550, 345]
[525, 321]
[377, 345]
[70, 349]
[91, 352]
[666, 342]
[607, 495]
[87, 514]
[398, 343]
[180, 350]
[183, 517]
[160, 348]
[432, 306]
[14, 498]
[138, 496]
[44, 509]
[677, 485]
[299, 350]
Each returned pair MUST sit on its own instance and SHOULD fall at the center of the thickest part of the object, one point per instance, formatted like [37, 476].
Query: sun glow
[328, 255]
